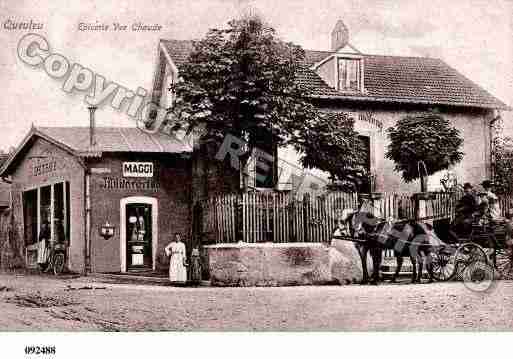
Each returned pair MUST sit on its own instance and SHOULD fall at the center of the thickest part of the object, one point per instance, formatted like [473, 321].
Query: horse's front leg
[398, 266]
[362, 250]
[413, 260]
[421, 267]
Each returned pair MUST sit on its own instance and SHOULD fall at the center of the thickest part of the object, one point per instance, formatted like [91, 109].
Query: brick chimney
[339, 36]
[92, 140]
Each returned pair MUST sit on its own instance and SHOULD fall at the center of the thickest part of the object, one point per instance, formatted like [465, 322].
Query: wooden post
[421, 205]
[306, 206]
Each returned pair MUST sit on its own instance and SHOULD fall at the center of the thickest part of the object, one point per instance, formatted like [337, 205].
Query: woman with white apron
[178, 260]
[42, 250]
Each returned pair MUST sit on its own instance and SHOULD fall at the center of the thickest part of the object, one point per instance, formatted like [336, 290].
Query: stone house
[376, 91]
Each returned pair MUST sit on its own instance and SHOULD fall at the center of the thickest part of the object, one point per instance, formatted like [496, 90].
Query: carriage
[485, 245]
[479, 255]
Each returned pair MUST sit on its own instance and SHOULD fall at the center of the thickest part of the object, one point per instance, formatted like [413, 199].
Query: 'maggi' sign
[137, 169]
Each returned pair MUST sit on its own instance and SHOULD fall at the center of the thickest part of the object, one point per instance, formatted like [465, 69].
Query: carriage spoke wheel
[467, 254]
[504, 261]
[58, 263]
[478, 276]
[444, 266]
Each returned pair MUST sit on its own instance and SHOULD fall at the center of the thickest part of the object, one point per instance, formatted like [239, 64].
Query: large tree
[242, 81]
[428, 140]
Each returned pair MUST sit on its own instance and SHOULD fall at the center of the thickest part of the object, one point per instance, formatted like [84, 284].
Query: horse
[406, 238]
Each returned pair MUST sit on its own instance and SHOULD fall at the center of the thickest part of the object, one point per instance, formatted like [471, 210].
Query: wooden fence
[255, 217]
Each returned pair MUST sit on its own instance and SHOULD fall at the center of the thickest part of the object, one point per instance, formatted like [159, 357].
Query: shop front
[113, 206]
[144, 208]
[47, 191]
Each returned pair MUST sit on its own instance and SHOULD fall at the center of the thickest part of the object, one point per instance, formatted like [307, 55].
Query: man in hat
[465, 209]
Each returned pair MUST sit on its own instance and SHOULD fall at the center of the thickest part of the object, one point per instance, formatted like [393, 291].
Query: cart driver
[465, 209]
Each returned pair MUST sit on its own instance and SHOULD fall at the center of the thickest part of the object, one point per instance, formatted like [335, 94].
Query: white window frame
[361, 69]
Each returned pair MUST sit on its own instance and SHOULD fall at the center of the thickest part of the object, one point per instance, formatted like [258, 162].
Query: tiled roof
[386, 79]
[114, 139]
[107, 139]
[405, 79]
[3, 158]
[178, 49]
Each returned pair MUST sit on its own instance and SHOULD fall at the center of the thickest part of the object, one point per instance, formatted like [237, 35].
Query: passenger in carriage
[490, 208]
[465, 210]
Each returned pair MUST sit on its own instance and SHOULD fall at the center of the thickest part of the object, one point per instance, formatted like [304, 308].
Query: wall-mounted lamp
[107, 231]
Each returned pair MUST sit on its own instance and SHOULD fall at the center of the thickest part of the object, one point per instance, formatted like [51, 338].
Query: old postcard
[250, 166]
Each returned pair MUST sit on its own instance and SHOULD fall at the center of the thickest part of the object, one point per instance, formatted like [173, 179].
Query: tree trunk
[423, 184]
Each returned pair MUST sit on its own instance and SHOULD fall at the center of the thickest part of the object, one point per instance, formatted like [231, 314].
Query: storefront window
[50, 204]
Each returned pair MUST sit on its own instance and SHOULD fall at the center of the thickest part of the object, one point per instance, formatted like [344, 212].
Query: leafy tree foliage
[242, 80]
[330, 142]
[503, 164]
[430, 139]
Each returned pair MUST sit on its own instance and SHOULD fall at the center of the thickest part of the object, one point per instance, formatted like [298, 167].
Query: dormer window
[350, 74]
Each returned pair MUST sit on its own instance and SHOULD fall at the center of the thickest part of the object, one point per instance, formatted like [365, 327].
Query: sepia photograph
[215, 166]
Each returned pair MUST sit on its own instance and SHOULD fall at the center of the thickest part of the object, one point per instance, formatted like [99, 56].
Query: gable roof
[179, 50]
[390, 79]
[75, 140]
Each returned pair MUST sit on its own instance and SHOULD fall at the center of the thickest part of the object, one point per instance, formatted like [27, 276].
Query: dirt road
[36, 303]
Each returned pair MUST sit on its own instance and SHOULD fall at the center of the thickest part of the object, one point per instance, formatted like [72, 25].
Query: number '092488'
[40, 350]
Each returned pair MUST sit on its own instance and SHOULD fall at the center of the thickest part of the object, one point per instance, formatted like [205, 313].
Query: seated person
[465, 209]
[492, 211]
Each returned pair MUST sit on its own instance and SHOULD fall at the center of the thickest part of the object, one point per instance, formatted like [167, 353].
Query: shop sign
[137, 169]
[44, 168]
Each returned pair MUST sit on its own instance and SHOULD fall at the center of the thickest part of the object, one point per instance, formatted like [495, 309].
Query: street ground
[44, 303]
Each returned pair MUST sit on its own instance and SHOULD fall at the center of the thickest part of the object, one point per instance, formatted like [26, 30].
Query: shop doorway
[138, 234]
[138, 229]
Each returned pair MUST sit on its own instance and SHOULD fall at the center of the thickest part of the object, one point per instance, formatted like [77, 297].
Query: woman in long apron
[42, 250]
[178, 260]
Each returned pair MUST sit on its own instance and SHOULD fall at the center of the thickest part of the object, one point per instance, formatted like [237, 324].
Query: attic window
[349, 71]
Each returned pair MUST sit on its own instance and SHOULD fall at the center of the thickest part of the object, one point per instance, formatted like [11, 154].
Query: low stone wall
[282, 264]
[269, 264]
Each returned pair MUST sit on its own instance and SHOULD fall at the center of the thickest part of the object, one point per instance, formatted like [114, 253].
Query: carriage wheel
[58, 263]
[467, 254]
[478, 276]
[444, 266]
[504, 262]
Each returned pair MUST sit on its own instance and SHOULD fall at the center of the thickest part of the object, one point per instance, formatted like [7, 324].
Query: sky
[473, 36]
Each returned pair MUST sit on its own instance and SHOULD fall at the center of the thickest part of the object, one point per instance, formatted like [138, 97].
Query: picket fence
[279, 217]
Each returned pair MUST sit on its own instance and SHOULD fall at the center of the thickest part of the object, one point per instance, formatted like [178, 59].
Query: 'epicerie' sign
[137, 169]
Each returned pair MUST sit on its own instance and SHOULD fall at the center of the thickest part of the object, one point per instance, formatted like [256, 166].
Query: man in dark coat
[465, 210]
